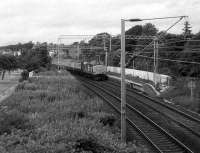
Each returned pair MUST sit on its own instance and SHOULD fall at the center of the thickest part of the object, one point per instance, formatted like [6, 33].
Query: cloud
[24, 20]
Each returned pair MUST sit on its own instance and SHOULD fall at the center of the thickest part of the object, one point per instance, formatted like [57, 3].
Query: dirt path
[8, 84]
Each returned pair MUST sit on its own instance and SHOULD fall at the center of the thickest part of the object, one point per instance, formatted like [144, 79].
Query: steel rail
[164, 114]
[166, 105]
[127, 119]
[181, 145]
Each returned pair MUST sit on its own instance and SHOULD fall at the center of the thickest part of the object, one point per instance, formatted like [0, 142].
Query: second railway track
[183, 126]
[191, 123]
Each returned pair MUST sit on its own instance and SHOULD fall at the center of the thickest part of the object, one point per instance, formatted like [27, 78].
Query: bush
[13, 120]
[25, 75]
[26, 86]
[108, 120]
[30, 86]
[64, 118]
[90, 144]
[20, 86]
[77, 114]
[41, 69]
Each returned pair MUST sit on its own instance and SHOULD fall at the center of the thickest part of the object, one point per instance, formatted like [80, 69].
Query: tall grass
[53, 114]
[180, 94]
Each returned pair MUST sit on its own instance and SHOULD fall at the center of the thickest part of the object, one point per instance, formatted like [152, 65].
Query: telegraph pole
[105, 50]
[155, 60]
[78, 51]
[58, 52]
[110, 49]
[123, 85]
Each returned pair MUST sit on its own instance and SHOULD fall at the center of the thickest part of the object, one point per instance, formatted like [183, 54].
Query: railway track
[154, 135]
[180, 110]
[183, 126]
[188, 120]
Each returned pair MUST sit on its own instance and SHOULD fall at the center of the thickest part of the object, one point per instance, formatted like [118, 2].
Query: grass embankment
[53, 114]
[10, 79]
[180, 94]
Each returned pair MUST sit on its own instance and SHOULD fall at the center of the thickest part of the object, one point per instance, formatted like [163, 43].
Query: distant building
[17, 53]
[52, 49]
[7, 52]
[52, 53]
[10, 52]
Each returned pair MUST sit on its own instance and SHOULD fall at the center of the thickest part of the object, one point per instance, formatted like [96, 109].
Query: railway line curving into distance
[161, 126]
[155, 136]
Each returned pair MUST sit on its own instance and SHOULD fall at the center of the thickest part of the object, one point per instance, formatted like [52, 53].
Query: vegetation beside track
[53, 114]
[180, 94]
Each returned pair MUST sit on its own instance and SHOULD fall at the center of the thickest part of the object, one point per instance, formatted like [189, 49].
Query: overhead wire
[172, 60]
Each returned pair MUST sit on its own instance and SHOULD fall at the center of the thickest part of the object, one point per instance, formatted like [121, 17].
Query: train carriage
[96, 72]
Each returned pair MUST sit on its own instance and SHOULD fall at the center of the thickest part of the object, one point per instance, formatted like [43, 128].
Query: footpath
[9, 83]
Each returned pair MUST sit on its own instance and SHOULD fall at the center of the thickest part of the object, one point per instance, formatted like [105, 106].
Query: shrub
[30, 86]
[42, 69]
[20, 86]
[108, 120]
[26, 86]
[13, 120]
[64, 118]
[77, 114]
[90, 144]
[25, 75]
[21, 80]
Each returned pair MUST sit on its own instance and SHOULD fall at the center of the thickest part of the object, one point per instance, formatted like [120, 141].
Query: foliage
[180, 94]
[25, 75]
[108, 119]
[171, 46]
[13, 120]
[133, 45]
[136, 30]
[31, 58]
[35, 58]
[98, 42]
[23, 47]
[8, 63]
[63, 119]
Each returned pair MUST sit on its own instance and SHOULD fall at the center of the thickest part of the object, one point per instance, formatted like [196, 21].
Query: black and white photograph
[99, 76]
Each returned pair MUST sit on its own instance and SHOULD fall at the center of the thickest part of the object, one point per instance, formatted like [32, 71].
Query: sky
[44, 20]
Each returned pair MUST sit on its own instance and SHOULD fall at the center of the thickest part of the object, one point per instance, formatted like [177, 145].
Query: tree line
[179, 54]
[31, 58]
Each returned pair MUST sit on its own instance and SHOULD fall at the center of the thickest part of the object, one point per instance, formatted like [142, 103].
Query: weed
[65, 119]
[108, 120]
[90, 144]
[26, 86]
[13, 120]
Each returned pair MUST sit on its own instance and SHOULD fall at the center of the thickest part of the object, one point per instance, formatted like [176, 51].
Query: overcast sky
[45, 20]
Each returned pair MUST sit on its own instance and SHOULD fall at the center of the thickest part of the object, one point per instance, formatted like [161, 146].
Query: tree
[35, 58]
[149, 29]
[19, 46]
[141, 46]
[7, 63]
[187, 30]
[97, 43]
[135, 30]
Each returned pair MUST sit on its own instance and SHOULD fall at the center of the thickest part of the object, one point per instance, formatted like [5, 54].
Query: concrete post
[123, 85]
